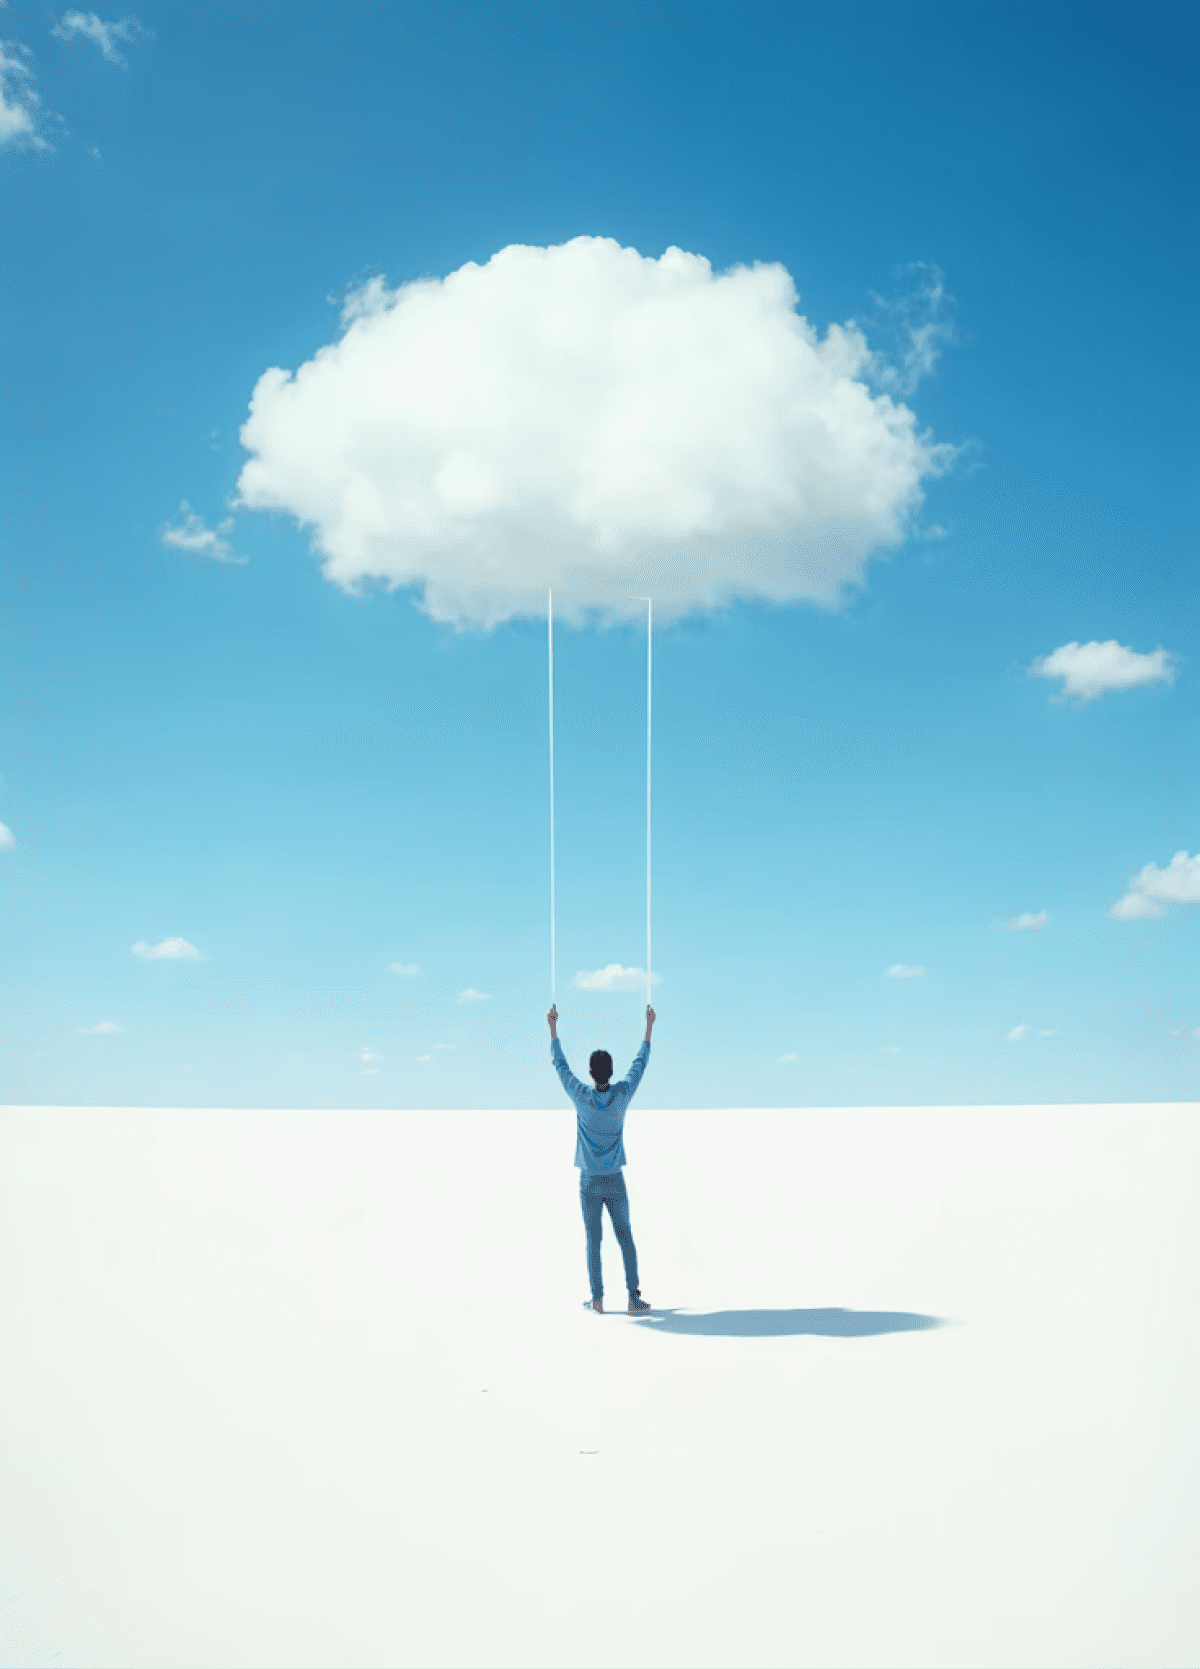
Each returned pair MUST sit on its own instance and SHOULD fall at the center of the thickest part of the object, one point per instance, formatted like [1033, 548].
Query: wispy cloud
[105, 1028]
[446, 1046]
[404, 970]
[193, 534]
[168, 950]
[1185, 1031]
[368, 1054]
[470, 995]
[1090, 669]
[791, 1057]
[424, 1057]
[1018, 1034]
[890, 1049]
[1046, 1031]
[20, 106]
[901, 970]
[87, 26]
[1027, 922]
[914, 325]
[613, 978]
[7, 839]
[1152, 890]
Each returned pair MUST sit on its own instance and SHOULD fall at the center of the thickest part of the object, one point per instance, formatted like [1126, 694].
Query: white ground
[317, 1389]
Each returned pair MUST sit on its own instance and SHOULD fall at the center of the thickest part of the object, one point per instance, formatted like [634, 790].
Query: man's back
[600, 1114]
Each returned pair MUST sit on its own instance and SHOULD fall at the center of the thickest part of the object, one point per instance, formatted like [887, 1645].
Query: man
[600, 1153]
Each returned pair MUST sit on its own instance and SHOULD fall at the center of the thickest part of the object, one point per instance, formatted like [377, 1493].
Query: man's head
[600, 1067]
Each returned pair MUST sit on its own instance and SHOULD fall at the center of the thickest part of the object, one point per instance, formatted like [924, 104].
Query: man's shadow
[766, 1324]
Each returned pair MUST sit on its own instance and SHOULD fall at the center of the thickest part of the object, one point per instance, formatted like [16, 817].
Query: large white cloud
[1152, 889]
[1089, 669]
[590, 419]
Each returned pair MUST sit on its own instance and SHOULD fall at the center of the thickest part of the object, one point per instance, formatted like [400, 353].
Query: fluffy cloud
[404, 970]
[106, 1028]
[196, 536]
[103, 35]
[1027, 922]
[901, 970]
[168, 950]
[1153, 889]
[1018, 1034]
[7, 840]
[590, 419]
[368, 1054]
[470, 995]
[20, 106]
[614, 978]
[1089, 669]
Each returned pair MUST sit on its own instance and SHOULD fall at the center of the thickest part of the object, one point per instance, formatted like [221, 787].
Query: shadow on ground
[764, 1324]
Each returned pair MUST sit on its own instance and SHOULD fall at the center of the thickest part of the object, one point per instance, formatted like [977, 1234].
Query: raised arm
[568, 1079]
[634, 1076]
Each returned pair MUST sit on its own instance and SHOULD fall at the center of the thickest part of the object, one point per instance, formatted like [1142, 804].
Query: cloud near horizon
[614, 978]
[1089, 669]
[101, 34]
[590, 419]
[167, 950]
[404, 970]
[1152, 890]
[1028, 922]
[105, 1028]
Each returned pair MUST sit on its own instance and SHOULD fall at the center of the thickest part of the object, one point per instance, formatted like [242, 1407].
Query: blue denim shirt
[600, 1119]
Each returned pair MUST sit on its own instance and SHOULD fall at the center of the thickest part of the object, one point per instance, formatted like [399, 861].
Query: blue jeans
[596, 1191]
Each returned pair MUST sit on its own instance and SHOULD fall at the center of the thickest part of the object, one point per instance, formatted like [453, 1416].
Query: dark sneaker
[637, 1306]
[596, 1304]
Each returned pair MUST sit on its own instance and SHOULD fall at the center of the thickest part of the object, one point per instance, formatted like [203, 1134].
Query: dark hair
[600, 1066]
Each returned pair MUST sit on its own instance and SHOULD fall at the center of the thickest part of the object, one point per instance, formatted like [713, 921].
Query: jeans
[595, 1192]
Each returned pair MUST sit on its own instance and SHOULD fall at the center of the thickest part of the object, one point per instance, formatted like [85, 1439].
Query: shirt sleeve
[634, 1076]
[569, 1081]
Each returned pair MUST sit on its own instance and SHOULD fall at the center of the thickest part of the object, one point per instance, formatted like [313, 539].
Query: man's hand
[651, 1017]
[552, 1017]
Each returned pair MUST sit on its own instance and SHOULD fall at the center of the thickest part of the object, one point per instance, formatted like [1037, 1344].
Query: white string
[649, 701]
[550, 642]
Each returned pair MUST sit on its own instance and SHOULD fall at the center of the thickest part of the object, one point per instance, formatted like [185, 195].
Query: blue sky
[309, 785]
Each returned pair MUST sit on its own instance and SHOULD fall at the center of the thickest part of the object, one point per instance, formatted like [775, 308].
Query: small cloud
[470, 995]
[1047, 1031]
[1153, 889]
[1027, 922]
[20, 106]
[613, 978]
[196, 536]
[446, 1046]
[168, 950]
[103, 35]
[369, 1054]
[915, 324]
[1185, 1031]
[1089, 669]
[95, 152]
[369, 1072]
[1018, 1034]
[106, 1028]
[792, 1057]
[403, 970]
[901, 970]
[890, 1049]
[7, 840]
[424, 1057]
